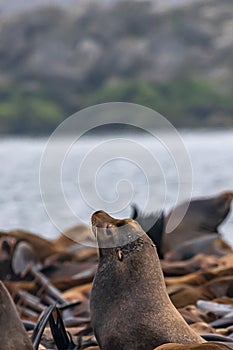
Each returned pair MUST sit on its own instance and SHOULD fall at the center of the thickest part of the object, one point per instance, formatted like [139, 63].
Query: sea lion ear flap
[23, 257]
[13, 334]
[134, 214]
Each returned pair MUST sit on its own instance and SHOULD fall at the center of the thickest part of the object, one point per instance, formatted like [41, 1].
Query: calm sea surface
[108, 174]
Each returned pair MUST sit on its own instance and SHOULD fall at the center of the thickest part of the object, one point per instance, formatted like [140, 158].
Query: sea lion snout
[102, 220]
[8, 244]
[111, 232]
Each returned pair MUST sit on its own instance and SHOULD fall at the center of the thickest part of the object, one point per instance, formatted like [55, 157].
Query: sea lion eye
[120, 223]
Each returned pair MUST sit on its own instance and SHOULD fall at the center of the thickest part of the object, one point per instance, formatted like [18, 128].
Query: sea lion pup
[203, 216]
[130, 308]
[13, 335]
[153, 225]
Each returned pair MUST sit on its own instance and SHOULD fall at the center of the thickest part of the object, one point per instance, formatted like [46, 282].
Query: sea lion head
[115, 233]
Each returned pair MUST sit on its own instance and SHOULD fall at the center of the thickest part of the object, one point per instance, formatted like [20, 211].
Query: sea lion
[180, 268]
[130, 308]
[203, 216]
[206, 244]
[42, 247]
[23, 257]
[205, 346]
[153, 225]
[79, 234]
[13, 335]
[7, 245]
[200, 277]
[183, 295]
[48, 251]
[192, 314]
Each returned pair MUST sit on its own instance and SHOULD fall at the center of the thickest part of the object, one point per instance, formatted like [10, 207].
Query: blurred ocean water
[21, 205]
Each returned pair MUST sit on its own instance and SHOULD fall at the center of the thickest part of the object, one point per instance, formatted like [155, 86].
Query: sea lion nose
[8, 244]
[101, 219]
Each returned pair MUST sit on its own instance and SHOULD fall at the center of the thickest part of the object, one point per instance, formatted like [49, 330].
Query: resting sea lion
[205, 346]
[48, 251]
[153, 225]
[203, 216]
[13, 335]
[184, 267]
[79, 234]
[200, 277]
[130, 308]
[183, 295]
[206, 244]
[42, 247]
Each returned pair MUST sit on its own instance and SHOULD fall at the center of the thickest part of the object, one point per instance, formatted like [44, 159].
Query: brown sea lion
[13, 335]
[200, 277]
[180, 268]
[153, 225]
[50, 251]
[130, 308]
[203, 216]
[182, 295]
[75, 235]
[42, 247]
[205, 346]
[7, 246]
[206, 244]
[192, 314]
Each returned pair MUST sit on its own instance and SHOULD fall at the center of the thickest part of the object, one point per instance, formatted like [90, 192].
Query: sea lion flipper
[40, 326]
[13, 334]
[61, 337]
[23, 257]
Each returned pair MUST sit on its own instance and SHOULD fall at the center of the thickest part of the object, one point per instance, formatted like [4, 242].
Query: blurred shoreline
[178, 62]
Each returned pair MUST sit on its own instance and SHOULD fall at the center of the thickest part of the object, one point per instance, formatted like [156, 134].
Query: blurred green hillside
[176, 60]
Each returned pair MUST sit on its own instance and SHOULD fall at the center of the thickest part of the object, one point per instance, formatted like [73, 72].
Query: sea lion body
[153, 225]
[130, 308]
[205, 346]
[183, 295]
[203, 216]
[13, 334]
